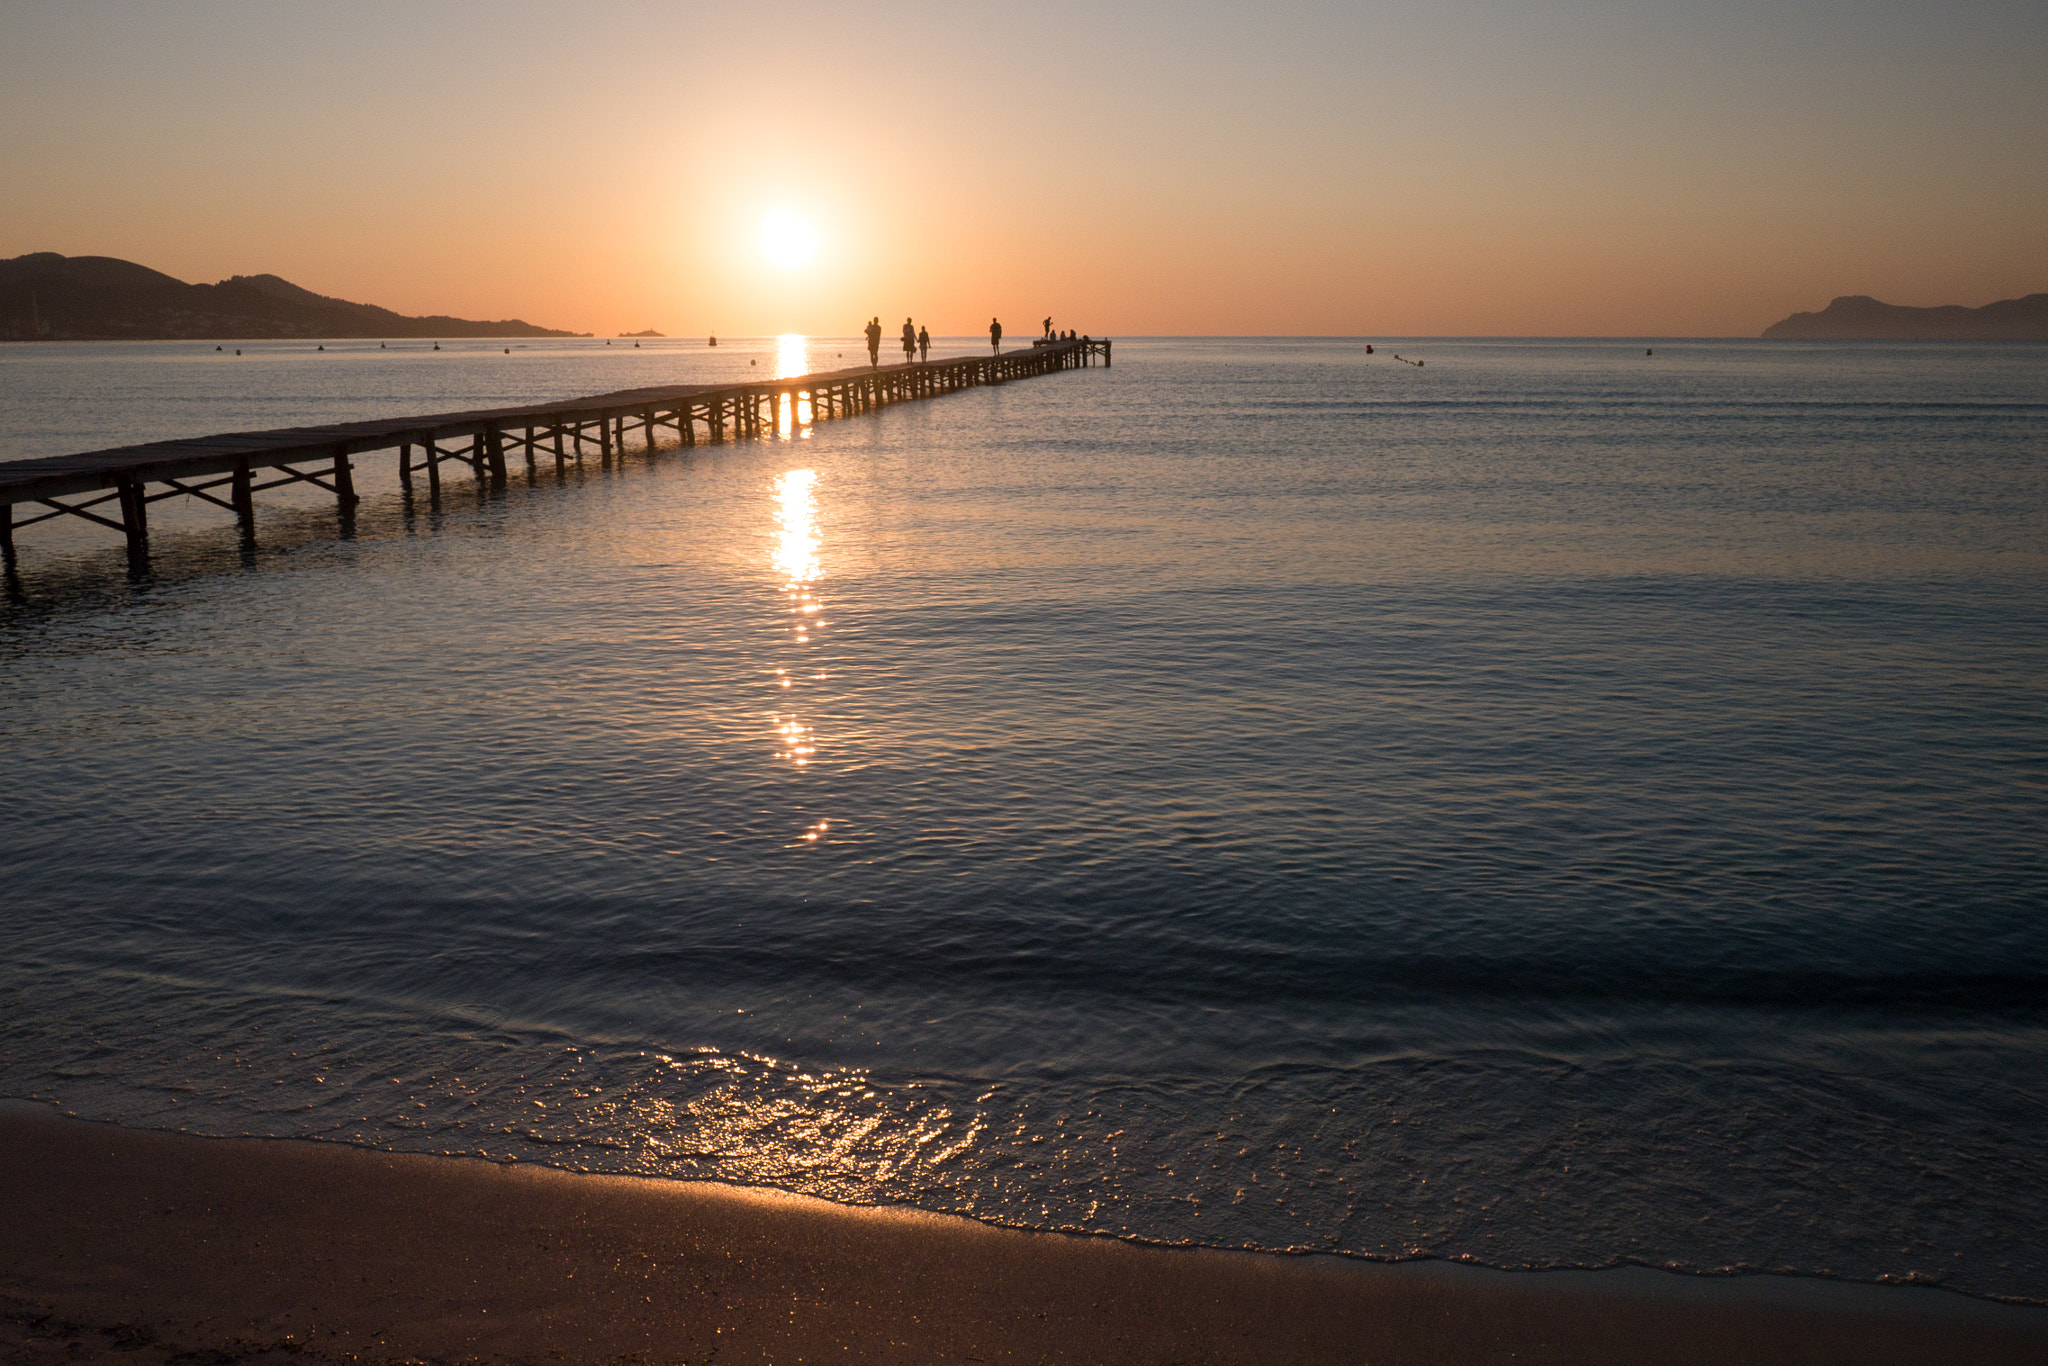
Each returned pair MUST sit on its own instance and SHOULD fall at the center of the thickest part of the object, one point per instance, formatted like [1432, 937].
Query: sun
[788, 240]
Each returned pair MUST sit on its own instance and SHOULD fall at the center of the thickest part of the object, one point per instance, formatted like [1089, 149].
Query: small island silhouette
[1860, 316]
[48, 297]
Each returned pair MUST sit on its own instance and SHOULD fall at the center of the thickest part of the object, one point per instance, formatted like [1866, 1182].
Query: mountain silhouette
[44, 296]
[1859, 315]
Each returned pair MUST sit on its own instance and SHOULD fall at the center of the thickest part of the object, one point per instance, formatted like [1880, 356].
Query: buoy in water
[1648, 352]
[713, 341]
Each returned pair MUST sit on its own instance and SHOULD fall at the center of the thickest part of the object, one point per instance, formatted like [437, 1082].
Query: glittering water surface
[1553, 806]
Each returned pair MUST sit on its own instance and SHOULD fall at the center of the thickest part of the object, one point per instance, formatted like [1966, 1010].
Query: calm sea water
[1555, 806]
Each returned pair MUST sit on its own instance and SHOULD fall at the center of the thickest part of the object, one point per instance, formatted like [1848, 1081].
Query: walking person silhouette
[909, 342]
[874, 331]
[995, 334]
[924, 344]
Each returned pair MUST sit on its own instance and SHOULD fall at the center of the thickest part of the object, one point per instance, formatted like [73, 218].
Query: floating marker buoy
[319, 348]
[1648, 352]
[238, 350]
[217, 348]
[713, 341]
[753, 362]
[1368, 348]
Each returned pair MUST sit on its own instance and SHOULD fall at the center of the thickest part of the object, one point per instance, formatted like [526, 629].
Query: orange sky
[1298, 168]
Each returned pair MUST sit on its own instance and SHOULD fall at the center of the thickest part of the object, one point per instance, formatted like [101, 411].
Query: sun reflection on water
[792, 358]
[797, 543]
[792, 355]
[796, 531]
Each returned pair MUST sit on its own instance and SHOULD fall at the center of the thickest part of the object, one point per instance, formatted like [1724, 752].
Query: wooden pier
[228, 470]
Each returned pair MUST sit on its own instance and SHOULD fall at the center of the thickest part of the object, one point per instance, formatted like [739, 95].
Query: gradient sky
[1548, 168]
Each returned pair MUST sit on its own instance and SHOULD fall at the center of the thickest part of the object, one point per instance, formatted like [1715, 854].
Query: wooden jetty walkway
[132, 477]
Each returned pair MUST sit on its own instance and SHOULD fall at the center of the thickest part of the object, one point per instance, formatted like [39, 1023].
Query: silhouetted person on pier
[909, 342]
[874, 331]
[924, 344]
[1048, 327]
[995, 334]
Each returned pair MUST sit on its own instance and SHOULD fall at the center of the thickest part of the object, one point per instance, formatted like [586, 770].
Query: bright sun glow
[787, 240]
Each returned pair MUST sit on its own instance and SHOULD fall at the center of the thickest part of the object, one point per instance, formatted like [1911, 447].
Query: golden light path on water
[751, 1117]
[797, 542]
[793, 358]
[819, 1131]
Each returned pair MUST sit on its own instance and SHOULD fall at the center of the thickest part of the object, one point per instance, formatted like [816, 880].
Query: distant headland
[1859, 315]
[47, 297]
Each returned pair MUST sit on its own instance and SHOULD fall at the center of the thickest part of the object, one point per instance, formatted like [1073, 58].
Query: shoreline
[143, 1247]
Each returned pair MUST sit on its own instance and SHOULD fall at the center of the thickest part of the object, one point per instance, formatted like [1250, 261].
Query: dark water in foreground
[1553, 807]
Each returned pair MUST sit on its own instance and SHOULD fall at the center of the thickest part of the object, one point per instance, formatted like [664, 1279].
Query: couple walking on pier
[917, 343]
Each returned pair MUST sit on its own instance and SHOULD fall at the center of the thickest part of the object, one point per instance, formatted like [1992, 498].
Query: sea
[1536, 803]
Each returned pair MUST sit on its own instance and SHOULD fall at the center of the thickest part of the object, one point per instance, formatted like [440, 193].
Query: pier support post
[405, 464]
[494, 451]
[134, 520]
[647, 421]
[433, 470]
[344, 483]
[559, 456]
[244, 499]
[604, 439]
[7, 536]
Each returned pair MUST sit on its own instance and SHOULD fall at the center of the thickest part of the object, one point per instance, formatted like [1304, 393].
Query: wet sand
[148, 1248]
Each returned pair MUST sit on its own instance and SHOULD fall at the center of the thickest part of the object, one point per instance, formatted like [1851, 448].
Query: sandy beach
[147, 1247]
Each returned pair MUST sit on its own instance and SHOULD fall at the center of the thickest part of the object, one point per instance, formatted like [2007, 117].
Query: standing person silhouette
[1048, 327]
[995, 334]
[924, 344]
[909, 342]
[874, 331]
